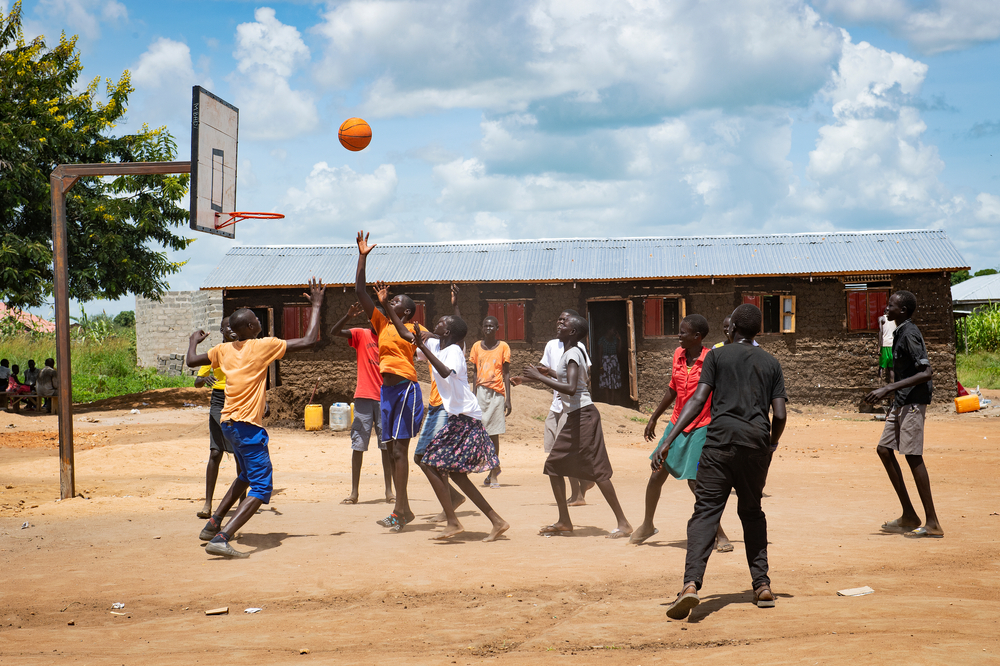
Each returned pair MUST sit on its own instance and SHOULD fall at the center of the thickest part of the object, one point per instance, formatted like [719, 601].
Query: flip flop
[724, 548]
[683, 605]
[348, 500]
[552, 530]
[617, 534]
[635, 541]
[922, 533]
[204, 514]
[896, 527]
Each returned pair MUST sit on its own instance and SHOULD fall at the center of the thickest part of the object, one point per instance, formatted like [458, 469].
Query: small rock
[71, 623]
[303, 650]
[218, 611]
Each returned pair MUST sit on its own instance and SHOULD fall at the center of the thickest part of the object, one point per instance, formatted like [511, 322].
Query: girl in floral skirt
[462, 446]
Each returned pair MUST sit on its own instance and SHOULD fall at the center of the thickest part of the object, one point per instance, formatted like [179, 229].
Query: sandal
[683, 604]
[763, 597]
[552, 530]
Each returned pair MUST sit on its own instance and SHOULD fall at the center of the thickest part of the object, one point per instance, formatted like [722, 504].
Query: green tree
[125, 319]
[959, 276]
[114, 225]
[985, 271]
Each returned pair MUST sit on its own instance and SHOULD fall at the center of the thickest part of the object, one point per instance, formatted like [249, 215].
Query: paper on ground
[855, 592]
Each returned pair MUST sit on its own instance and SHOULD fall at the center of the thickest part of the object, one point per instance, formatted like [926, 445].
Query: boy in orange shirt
[401, 403]
[492, 387]
[244, 363]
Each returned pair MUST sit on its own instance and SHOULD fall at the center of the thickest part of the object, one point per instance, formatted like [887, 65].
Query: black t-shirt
[744, 381]
[909, 357]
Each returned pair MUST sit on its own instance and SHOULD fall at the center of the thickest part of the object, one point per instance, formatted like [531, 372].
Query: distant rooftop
[594, 259]
[982, 289]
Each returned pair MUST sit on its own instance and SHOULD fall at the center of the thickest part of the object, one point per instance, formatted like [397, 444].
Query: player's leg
[439, 482]
[911, 444]
[749, 474]
[563, 523]
[623, 528]
[211, 477]
[887, 447]
[653, 489]
[712, 489]
[491, 478]
[252, 444]
[361, 432]
[469, 488]
[722, 542]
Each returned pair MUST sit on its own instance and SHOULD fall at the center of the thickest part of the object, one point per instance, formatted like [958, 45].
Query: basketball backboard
[214, 138]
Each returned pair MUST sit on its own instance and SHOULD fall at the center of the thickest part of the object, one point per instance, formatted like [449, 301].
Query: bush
[978, 369]
[125, 319]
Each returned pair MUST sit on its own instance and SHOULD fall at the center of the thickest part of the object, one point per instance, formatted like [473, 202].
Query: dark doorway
[609, 346]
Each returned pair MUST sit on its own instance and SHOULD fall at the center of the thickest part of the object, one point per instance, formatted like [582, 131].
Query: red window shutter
[857, 310]
[418, 316]
[752, 300]
[290, 322]
[652, 320]
[515, 321]
[499, 310]
[305, 316]
[876, 306]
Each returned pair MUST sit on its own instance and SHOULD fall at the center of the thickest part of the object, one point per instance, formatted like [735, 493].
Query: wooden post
[63, 177]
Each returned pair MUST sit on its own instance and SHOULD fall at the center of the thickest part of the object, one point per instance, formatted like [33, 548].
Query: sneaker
[399, 523]
[211, 528]
[221, 547]
[388, 521]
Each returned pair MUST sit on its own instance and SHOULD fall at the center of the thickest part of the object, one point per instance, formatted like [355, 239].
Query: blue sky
[573, 118]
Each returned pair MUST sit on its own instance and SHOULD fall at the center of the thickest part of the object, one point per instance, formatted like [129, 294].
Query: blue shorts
[250, 448]
[402, 409]
[437, 416]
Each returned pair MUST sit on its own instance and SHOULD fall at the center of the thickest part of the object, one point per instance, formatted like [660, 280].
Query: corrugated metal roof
[977, 289]
[564, 260]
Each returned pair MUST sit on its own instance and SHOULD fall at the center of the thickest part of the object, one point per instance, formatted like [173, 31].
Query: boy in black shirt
[904, 425]
[745, 383]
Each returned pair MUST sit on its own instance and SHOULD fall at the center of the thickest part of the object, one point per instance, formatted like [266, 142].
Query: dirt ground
[331, 582]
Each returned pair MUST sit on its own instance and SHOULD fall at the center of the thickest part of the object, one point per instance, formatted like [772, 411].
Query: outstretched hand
[454, 294]
[363, 247]
[531, 372]
[316, 291]
[355, 310]
[418, 338]
[382, 292]
[199, 336]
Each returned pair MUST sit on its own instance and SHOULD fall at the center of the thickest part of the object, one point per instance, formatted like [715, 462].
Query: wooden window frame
[500, 308]
[872, 318]
[681, 313]
[784, 300]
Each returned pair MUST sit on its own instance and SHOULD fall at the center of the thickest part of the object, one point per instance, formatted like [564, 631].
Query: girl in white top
[462, 446]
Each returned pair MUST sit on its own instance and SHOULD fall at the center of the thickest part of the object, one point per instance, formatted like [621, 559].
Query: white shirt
[571, 403]
[456, 396]
[886, 329]
[550, 359]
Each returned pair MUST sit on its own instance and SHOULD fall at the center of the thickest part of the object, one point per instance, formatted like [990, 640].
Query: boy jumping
[904, 425]
[492, 387]
[401, 405]
[244, 363]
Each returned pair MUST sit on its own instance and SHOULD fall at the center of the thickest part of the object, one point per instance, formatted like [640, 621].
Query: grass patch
[639, 419]
[978, 369]
[101, 369]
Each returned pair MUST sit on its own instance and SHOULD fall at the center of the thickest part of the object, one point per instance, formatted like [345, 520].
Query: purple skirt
[462, 445]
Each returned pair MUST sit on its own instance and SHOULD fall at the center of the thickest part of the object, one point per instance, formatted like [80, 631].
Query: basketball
[355, 134]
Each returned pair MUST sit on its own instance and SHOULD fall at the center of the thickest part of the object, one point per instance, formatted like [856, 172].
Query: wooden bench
[12, 402]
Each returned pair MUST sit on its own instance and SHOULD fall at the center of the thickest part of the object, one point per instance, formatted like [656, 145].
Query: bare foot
[498, 529]
[576, 501]
[449, 532]
[901, 525]
[350, 499]
[390, 498]
[722, 545]
[642, 533]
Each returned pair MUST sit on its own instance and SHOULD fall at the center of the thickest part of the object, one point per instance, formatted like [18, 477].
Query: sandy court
[332, 582]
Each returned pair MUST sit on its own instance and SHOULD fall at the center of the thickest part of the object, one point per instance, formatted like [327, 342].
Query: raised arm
[193, 358]
[360, 281]
[382, 291]
[316, 292]
[441, 368]
[338, 328]
[689, 412]
[454, 299]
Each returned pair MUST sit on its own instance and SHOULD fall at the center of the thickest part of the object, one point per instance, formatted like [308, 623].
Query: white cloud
[84, 17]
[930, 25]
[989, 207]
[163, 77]
[336, 199]
[268, 54]
[587, 61]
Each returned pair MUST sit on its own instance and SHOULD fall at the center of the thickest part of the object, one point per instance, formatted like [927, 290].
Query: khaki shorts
[904, 430]
[553, 424]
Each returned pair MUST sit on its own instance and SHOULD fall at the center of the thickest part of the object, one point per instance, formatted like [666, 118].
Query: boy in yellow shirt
[245, 363]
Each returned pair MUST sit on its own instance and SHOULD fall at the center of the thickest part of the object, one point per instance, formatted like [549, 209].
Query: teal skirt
[682, 458]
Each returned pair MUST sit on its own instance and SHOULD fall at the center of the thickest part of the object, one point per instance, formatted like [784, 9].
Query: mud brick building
[820, 295]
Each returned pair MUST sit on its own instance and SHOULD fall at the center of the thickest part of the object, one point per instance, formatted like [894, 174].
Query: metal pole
[60, 279]
[61, 179]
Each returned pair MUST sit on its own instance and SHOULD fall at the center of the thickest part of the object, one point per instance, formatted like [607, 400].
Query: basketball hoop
[235, 217]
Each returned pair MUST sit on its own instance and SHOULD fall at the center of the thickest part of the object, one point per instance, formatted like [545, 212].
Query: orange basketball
[355, 134]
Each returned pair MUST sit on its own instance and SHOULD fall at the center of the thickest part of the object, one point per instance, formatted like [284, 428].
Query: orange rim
[239, 216]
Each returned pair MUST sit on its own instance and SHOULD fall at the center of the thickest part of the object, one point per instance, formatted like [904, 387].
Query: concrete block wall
[162, 328]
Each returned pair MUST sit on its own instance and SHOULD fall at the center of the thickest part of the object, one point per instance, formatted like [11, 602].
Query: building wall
[823, 362]
[162, 328]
